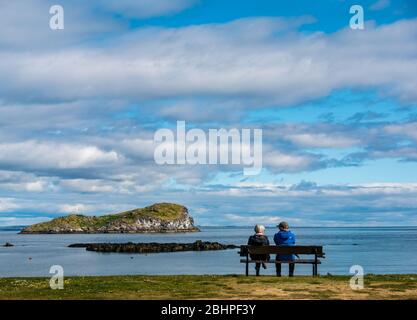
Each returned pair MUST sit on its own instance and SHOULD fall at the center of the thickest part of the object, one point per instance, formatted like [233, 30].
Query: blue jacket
[284, 238]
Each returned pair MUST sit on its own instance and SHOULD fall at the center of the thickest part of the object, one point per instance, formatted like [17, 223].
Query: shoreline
[142, 287]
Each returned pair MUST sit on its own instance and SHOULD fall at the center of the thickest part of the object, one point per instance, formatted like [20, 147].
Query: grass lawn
[211, 287]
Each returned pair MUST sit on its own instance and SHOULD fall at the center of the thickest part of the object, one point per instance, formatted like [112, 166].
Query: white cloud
[404, 129]
[36, 186]
[8, 204]
[404, 153]
[78, 208]
[245, 220]
[25, 24]
[82, 185]
[322, 140]
[231, 59]
[34, 154]
[25, 182]
[139, 147]
[287, 162]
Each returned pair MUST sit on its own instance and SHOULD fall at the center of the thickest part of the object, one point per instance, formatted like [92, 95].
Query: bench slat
[282, 250]
[304, 261]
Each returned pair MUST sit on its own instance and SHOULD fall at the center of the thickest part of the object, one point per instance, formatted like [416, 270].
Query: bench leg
[247, 268]
[314, 269]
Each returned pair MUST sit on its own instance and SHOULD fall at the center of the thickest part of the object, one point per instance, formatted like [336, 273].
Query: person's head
[259, 229]
[283, 226]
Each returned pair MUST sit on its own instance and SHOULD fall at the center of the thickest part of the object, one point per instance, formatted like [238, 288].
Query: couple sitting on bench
[284, 237]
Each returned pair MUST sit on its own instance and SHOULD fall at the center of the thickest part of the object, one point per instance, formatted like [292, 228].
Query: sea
[377, 250]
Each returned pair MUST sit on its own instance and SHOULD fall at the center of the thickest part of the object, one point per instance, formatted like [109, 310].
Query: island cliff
[160, 217]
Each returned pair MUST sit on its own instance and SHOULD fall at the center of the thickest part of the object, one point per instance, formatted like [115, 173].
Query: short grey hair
[259, 228]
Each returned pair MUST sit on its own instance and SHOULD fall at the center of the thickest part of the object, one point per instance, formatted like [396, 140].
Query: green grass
[211, 287]
[163, 211]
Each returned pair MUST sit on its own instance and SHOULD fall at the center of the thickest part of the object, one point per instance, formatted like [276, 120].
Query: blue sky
[79, 108]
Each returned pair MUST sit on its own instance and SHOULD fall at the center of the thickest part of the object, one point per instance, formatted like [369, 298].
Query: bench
[317, 251]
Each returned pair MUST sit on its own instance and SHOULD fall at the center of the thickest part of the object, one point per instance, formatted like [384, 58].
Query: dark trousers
[291, 267]
[259, 257]
[257, 267]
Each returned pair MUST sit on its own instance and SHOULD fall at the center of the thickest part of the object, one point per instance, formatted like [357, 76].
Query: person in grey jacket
[259, 239]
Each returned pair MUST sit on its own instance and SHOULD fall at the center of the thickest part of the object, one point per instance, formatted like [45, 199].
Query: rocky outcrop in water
[160, 217]
[152, 247]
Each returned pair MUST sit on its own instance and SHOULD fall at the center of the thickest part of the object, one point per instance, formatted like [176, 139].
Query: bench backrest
[316, 250]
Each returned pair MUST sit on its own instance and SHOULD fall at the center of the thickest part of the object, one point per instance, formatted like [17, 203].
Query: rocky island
[159, 217]
[153, 247]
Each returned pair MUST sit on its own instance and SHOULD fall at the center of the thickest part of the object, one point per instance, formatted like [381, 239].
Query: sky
[79, 108]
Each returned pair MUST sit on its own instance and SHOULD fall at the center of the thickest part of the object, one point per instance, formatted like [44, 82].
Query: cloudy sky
[338, 108]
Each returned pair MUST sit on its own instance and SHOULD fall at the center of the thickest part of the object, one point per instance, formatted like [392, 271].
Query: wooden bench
[317, 251]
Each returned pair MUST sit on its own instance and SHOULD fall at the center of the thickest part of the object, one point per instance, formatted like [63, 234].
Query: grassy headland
[153, 217]
[211, 287]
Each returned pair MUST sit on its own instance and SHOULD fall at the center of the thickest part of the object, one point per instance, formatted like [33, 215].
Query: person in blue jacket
[284, 237]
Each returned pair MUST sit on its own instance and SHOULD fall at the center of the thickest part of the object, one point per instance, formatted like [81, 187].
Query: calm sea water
[377, 250]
